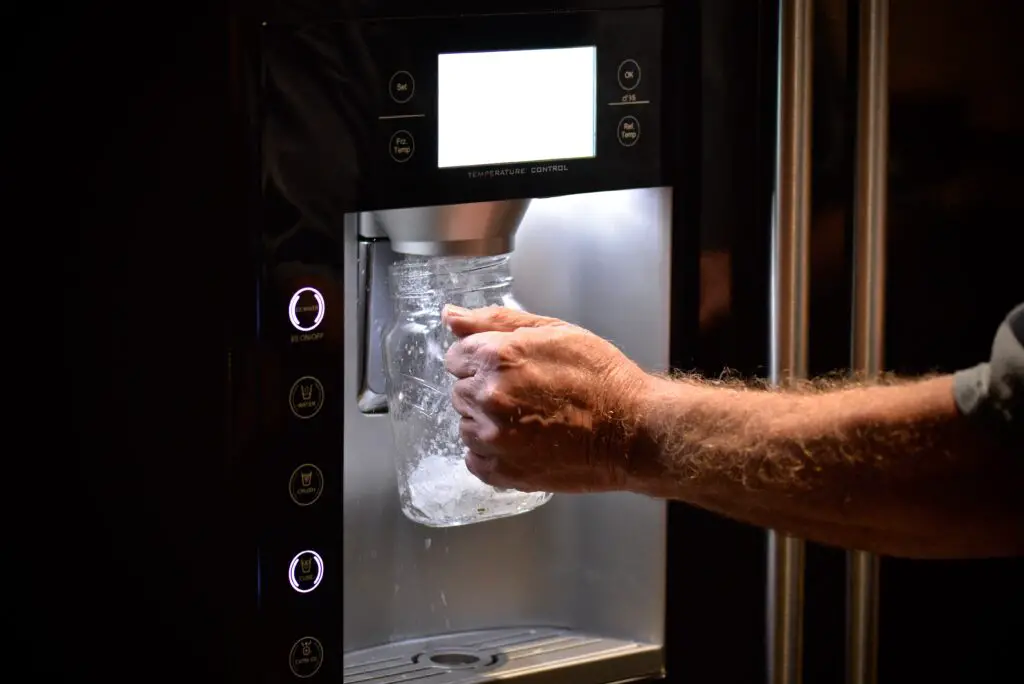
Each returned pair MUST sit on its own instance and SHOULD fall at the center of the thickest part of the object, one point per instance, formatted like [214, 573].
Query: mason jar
[434, 485]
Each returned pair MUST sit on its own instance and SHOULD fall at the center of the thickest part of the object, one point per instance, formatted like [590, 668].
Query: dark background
[122, 153]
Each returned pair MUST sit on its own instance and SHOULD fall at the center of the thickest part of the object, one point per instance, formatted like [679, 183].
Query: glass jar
[434, 485]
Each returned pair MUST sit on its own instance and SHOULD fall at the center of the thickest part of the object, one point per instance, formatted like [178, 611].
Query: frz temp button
[401, 146]
[306, 657]
[306, 309]
[629, 131]
[306, 571]
[402, 87]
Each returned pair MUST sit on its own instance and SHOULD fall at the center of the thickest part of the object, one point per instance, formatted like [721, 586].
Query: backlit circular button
[306, 309]
[306, 657]
[628, 131]
[306, 397]
[306, 571]
[306, 484]
[402, 87]
[402, 146]
[629, 74]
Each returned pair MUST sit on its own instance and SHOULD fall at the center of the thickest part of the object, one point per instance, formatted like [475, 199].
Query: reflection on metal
[789, 302]
[868, 299]
[474, 229]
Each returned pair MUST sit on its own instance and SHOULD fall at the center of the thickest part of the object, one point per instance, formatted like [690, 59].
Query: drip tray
[523, 655]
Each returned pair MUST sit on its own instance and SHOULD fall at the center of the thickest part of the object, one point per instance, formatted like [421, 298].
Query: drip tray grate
[522, 655]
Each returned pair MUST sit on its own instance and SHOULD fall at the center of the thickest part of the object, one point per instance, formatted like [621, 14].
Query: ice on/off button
[402, 146]
[306, 309]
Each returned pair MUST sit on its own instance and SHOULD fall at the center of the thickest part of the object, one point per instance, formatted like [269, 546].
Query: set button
[402, 87]
[402, 146]
[629, 74]
[628, 131]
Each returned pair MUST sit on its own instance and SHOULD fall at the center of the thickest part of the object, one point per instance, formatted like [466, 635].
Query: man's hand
[545, 405]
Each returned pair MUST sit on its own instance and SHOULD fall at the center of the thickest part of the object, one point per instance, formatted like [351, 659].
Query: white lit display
[516, 106]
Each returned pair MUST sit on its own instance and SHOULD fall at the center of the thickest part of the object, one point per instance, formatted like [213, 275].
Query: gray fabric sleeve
[993, 393]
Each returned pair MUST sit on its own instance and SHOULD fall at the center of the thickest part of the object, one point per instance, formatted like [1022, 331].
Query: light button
[628, 131]
[306, 571]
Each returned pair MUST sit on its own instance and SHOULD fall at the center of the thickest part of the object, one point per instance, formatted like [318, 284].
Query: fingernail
[452, 311]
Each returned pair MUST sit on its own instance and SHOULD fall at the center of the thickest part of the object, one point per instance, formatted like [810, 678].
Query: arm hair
[890, 467]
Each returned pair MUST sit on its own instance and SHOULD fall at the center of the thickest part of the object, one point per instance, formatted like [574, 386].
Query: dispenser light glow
[319, 571]
[293, 305]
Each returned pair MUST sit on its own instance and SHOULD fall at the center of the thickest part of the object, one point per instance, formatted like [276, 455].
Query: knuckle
[454, 355]
[492, 397]
[488, 434]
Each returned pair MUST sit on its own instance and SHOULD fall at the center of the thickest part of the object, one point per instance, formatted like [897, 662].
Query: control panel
[299, 459]
[444, 110]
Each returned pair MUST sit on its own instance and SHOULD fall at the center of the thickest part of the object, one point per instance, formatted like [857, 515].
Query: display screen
[516, 106]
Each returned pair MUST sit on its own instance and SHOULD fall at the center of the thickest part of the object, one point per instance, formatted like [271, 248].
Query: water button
[306, 657]
[306, 397]
[629, 75]
[306, 571]
[402, 146]
[306, 309]
[402, 87]
[629, 131]
[306, 484]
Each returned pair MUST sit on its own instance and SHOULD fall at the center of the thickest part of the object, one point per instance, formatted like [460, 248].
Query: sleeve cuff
[993, 392]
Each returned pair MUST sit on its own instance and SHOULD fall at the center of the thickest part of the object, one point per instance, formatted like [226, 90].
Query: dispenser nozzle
[475, 229]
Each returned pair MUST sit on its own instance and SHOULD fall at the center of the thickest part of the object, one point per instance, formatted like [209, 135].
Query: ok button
[402, 146]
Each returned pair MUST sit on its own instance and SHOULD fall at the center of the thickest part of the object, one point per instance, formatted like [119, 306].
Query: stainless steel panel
[592, 564]
[870, 206]
[790, 305]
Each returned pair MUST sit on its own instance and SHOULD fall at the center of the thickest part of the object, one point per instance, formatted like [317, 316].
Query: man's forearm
[893, 469]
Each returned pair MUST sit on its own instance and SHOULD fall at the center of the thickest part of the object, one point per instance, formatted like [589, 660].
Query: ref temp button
[306, 657]
[402, 87]
[306, 397]
[306, 571]
[629, 74]
[402, 146]
[306, 484]
[628, 131]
